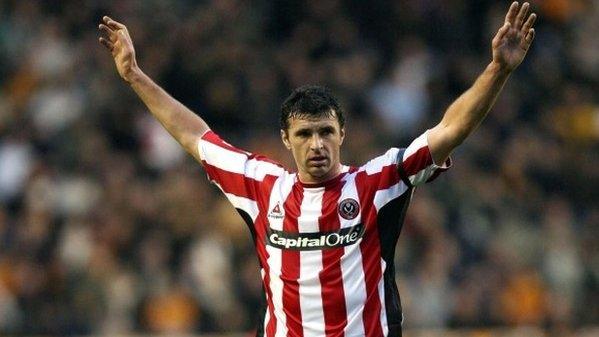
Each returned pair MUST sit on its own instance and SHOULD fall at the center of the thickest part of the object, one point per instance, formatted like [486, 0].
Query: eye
[327, 131]
[303, 133]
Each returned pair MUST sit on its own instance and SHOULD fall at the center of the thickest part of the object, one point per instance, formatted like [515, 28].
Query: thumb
[501, 33]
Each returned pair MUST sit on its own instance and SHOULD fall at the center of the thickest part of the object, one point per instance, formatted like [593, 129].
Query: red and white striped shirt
[325, 250]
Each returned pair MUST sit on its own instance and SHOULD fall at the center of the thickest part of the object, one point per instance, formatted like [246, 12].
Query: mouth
[317, 161]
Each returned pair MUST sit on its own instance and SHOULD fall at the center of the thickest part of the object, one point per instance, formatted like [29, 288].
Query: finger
[113, 24]
[109, 32]
[521, 15]
[501, 33]
[529, 23]
[528, 39]
[511, 13]
[105, 28]
[106, 44]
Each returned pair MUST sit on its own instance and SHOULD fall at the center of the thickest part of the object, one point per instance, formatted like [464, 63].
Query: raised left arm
[510, 45]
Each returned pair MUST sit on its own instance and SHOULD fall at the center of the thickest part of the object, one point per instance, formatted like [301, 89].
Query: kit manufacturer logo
[276, 212]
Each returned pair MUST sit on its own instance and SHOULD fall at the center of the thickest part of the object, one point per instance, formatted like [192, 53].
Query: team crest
[349, 209]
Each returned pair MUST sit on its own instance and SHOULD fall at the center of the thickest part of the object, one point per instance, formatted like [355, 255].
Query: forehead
[313, 122]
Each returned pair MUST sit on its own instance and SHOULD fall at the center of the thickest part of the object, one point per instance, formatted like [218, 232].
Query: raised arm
[185, 126]
[463, 116]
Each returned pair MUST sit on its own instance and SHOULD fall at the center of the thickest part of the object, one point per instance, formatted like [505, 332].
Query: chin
[319, 172]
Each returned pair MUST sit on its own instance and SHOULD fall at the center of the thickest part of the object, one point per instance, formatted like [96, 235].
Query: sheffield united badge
[349, 209]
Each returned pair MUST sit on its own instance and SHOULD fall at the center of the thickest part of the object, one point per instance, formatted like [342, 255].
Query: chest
[314, 218]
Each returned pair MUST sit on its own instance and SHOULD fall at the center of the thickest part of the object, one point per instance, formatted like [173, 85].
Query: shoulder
[215, 152]
[388, 159]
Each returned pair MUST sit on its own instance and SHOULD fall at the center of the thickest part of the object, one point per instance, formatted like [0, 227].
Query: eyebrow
[303, 131]
[329, 128]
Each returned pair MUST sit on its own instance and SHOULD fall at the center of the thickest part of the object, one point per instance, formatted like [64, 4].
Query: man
[325, 236]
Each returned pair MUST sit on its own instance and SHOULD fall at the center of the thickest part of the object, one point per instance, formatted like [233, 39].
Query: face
[315, 144]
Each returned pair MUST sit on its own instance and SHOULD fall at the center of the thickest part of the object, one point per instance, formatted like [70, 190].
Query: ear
[342, 135]
[285, 139]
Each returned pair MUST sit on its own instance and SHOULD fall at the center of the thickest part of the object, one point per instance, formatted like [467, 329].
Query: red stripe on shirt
[371, 258]
[271, 325]
[234, 183]
[260, 241]
[290, 265]
[331, 278]
[388, 177]
[417, 161]
[213, 138]
[264, 159]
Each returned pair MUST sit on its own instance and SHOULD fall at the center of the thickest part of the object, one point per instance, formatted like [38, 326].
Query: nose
[316, 143]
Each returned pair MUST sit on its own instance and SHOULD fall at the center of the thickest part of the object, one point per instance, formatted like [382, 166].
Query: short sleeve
[382, 170]
[236, 172]
[417, 165]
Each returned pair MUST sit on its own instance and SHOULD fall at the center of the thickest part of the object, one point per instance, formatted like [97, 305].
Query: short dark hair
[310, 101]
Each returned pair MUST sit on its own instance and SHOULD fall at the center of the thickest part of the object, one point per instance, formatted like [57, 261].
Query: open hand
[118, 41]
[514, 38]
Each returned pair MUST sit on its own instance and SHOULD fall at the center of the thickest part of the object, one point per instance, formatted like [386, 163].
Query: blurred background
[107, 227]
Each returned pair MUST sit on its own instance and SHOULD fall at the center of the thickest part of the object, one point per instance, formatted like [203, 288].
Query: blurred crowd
[107, 226]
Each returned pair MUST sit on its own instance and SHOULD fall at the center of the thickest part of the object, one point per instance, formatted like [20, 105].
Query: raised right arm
[184, 125]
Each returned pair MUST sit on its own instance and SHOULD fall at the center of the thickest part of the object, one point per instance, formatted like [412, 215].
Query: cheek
[298, 151]
[333, 145]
